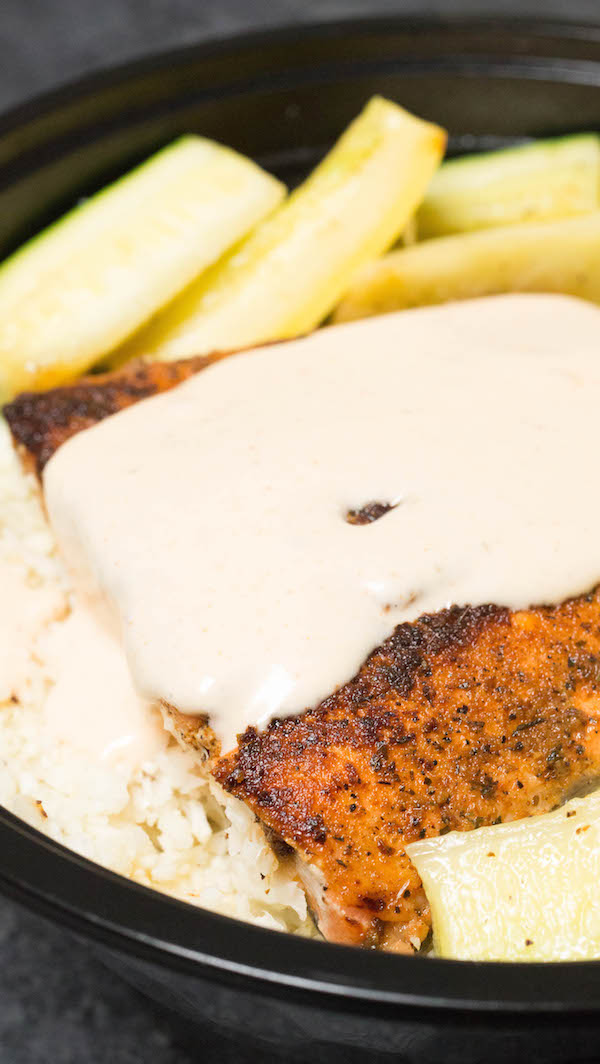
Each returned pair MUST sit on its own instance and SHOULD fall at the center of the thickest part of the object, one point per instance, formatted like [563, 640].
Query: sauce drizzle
[214, 518]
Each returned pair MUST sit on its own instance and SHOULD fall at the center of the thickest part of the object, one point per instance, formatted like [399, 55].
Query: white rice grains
[167, 825]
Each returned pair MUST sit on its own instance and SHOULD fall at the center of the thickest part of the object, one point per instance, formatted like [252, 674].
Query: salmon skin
[463, 718]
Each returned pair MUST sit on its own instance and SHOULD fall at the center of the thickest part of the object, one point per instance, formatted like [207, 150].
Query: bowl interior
[282, 98]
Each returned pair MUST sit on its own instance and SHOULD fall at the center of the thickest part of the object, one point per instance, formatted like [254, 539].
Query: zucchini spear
[76, 291]
[554, 256]
[547, 179]
[291, 271]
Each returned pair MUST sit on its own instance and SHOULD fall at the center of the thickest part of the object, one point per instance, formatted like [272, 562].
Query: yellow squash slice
[291, 271]
[524, 891]
[553, 256]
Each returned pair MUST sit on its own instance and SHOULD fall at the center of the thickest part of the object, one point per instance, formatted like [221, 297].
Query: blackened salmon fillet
[463, 718]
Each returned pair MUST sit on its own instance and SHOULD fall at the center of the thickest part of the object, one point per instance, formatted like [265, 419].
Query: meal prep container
[282, 97]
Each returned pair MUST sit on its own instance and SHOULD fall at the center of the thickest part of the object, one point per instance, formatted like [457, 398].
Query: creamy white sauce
[92, 704]
[213, 517]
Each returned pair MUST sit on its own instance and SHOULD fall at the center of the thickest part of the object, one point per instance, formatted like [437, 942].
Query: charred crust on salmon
[40, 422]
[467, 717]
[372, 511]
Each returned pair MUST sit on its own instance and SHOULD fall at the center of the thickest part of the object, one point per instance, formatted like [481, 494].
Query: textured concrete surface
[58, 1005]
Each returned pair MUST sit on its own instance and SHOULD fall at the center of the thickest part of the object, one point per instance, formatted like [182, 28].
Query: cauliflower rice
[167, 825]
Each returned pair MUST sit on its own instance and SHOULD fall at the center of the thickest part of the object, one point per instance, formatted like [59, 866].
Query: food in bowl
[294, 628]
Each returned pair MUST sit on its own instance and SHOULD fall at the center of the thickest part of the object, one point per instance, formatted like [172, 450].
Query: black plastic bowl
[282, 97]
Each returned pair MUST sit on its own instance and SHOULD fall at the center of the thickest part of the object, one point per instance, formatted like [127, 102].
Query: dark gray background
[58, 1005]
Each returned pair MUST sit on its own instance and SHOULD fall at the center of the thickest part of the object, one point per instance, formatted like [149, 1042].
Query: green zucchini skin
[84, 284]
[553, 178]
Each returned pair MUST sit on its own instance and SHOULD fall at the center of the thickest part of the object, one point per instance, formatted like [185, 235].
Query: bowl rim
[124, 915]
[533, 26]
